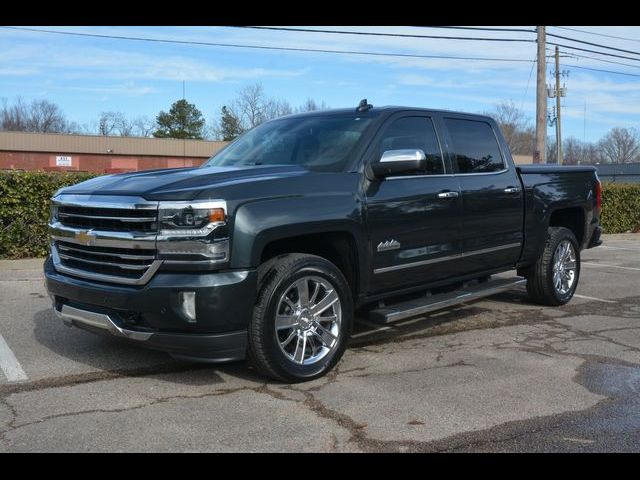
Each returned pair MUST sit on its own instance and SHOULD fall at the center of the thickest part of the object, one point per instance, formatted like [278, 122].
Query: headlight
[191, 232]
[191, 219]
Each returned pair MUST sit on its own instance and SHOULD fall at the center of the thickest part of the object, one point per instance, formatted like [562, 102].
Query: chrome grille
[123, 262]
[108, 219]
[105, 238]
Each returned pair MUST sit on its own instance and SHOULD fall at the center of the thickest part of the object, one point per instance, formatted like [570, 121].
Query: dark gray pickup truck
[268, 249]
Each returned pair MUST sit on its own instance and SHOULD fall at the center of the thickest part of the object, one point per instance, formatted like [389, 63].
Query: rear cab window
[474, 146]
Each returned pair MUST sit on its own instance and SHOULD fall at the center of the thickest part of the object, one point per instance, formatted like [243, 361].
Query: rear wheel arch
[571, 218]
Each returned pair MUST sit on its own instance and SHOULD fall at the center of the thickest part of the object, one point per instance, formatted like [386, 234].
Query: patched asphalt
[499, 374]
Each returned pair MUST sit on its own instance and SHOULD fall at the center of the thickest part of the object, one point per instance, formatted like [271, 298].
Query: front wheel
[302, 319]
[553, 279]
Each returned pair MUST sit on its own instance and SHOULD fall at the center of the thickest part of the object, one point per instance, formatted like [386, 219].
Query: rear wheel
[553, 279]
[302, 319]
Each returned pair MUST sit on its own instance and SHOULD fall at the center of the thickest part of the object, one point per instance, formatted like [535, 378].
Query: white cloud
[91, 62]
[126, 89]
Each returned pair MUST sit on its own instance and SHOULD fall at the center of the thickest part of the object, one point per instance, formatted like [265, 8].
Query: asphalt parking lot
[495, 375]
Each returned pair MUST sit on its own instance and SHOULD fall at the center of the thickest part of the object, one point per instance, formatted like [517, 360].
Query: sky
[86, 76]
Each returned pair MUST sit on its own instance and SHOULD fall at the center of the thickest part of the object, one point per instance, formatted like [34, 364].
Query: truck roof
[387, 109]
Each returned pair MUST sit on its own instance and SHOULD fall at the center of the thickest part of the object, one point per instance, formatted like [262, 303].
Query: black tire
[540, 285]
[274, 278]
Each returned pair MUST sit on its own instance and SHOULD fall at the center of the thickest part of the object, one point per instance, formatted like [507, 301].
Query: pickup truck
[266, 251]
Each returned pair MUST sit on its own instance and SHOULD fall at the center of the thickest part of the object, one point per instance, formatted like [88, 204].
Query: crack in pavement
[460, 363]
[13, 427]
[97, 376]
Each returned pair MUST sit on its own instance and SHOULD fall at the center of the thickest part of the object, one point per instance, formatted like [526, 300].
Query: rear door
[492, 198]
[413, 220]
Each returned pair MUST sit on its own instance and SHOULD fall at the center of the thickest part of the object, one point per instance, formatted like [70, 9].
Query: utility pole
[541, 100]
[557, 92]
[584, 127]
[184, 141]
[558, 98]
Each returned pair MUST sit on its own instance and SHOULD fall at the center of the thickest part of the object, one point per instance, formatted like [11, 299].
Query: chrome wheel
[308, 319]
[564, 267]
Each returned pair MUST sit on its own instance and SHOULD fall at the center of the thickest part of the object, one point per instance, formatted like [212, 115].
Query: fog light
[188, 305]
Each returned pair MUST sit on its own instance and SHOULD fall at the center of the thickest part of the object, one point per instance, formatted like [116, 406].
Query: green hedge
[620, 207]
[24, 209]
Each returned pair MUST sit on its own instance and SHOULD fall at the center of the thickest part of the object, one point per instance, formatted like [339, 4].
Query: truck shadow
[113, 355]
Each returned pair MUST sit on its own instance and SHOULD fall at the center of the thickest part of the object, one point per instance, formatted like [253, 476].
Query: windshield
[322, 143]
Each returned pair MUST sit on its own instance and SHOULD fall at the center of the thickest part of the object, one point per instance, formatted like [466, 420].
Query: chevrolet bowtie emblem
[85, 237]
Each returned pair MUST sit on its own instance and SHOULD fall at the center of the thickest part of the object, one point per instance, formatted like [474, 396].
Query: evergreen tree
[184, 120]
[230, 126]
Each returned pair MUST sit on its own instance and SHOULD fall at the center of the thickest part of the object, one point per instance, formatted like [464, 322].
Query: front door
[413, 220]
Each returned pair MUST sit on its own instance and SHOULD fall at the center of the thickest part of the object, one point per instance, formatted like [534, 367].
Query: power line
[602, 70]
[577, 55]
[600, 34]
[263, 47]
[593, 51]
[485, 29]
[593, 44]
[346, 52]
[526, 90]
[380, 34]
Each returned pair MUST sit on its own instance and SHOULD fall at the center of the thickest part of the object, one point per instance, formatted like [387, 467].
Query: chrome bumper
[72, 315]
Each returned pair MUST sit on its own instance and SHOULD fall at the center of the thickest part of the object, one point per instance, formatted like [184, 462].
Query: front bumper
[152, 316]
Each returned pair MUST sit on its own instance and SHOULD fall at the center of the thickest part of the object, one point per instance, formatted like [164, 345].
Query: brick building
[100, 154]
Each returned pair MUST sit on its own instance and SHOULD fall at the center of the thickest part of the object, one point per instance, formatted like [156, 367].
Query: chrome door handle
[512, 190]
[448, 195]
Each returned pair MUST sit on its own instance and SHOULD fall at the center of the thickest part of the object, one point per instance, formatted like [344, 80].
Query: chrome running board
[420, 306]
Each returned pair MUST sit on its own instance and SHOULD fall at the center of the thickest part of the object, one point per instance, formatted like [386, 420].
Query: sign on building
[63, 161]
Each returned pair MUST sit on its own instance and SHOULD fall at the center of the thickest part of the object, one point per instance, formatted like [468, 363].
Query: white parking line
[593, 298]
[9, 363]
[588, 264]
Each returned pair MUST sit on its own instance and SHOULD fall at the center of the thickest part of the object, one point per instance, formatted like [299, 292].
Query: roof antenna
[364, 106]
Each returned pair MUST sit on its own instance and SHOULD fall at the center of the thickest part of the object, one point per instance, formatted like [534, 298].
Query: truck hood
[180, 183]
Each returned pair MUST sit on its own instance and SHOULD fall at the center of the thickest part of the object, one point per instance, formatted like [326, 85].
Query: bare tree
[38, 116]
[621, 145]
[276, 108]
[107, 123]
[46, 117]
[592, 154]
[125, 127]
[250, 106]
[310, 105]
[143, 126]
[573, 151]
[115, 123]
[515, 126]
[13, 117]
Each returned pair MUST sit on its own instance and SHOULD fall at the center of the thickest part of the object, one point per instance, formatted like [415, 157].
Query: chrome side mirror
[399, 162]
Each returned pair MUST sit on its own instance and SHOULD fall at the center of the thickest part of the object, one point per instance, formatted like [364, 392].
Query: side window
[475, 147]
[414, 133]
